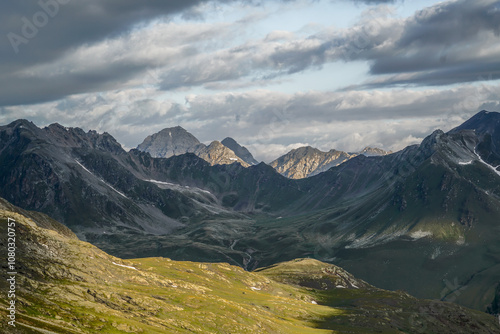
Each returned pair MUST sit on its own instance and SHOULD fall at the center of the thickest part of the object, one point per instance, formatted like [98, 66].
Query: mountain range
[176, 141]
[308, 161]
[64, 285]
[296, 164]
[423, 220]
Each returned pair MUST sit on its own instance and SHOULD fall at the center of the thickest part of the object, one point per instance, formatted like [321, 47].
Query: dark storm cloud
[72, 23]
[37, 32]
[443, 36]
[37, 89]
[451, 42]
[451, 23]
[92, 46]
[461, 73]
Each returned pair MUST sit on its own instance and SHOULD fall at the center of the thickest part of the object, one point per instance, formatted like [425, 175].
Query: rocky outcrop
[169, 142]
[242, 152]
[218, 154]
[176, 141]
[307, 161]
[373, 152]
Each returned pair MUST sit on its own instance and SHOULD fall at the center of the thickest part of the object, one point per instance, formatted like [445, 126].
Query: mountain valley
[64, 285]
[423, 220]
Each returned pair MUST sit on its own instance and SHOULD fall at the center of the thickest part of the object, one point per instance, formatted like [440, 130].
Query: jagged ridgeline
[177, 141]
[308, 161]
[423, 220]
[64, 285]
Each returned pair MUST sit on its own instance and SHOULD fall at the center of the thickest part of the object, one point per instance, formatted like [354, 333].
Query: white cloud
[269, 123]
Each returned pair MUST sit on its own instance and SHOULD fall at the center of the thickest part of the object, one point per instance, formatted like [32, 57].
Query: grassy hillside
[64, 285]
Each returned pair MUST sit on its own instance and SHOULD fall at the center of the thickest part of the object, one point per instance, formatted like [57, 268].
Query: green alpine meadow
[65, 285]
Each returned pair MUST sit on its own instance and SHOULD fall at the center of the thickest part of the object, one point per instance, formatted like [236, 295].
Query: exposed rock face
[176, 141]
[218, 154]
[486, 125]
[240, 151]
[373, 152]
[83, 179]
[307, 161]
[169, 142]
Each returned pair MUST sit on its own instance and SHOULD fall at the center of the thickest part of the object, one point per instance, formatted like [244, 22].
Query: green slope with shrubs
[64, 285]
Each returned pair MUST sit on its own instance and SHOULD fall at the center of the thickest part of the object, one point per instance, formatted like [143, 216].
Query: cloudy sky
[274, 74]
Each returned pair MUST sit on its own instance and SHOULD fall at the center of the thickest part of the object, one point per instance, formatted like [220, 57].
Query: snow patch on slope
[85, 168]
[124, 266]
[110, 186]
[420, 234]
[487, 164]
[161, 182]
[178, 186]
[373, 239]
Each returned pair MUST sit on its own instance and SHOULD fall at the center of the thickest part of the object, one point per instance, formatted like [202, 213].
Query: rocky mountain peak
[169, 142]
[23, 123]
[486, 125]
[430, 143]
[218, 154]
[242, 152]
[306, 161]
[29, 129]
[176, 141]
[76, 137]
[305, 150]
[373, 151]
[482, 122]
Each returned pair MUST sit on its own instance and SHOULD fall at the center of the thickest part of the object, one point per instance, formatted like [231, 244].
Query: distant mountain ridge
[176, 141]
[373, 152]
[169, 142]
[241, 151]
[218, 154]
[308, 161]
[297, 164]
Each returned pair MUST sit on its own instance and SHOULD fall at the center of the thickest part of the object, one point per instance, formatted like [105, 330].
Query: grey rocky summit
[169, 142]
[174, 141]
[373, 152]
[242, 152]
